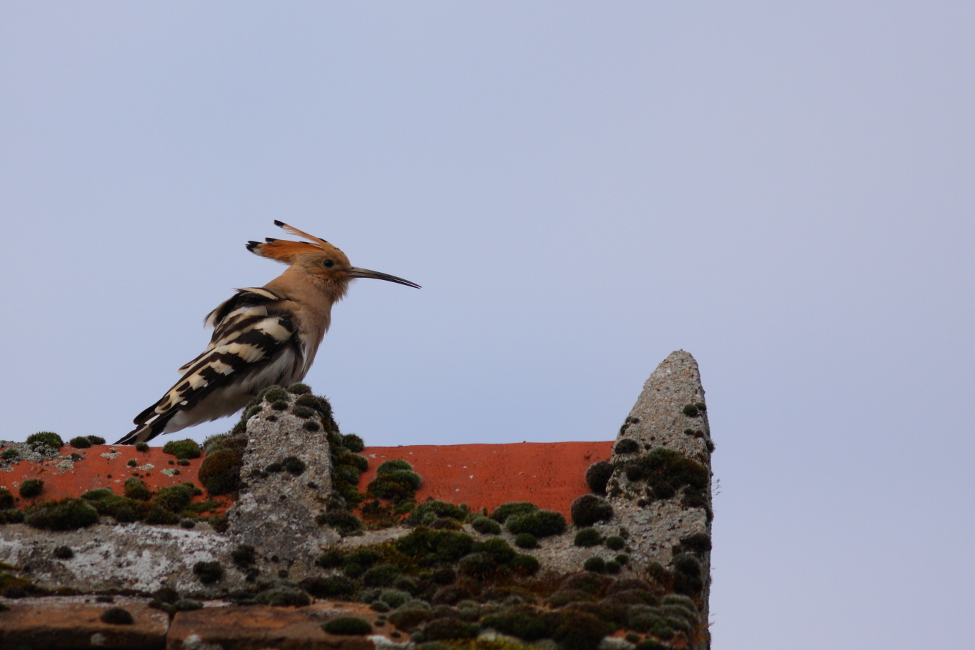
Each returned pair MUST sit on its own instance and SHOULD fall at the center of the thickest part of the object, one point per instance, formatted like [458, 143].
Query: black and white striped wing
[254, 345]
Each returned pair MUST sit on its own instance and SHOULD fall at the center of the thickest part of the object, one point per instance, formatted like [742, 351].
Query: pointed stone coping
[549, 474]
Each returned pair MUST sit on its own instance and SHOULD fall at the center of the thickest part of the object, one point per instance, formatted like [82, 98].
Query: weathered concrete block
[286, 481]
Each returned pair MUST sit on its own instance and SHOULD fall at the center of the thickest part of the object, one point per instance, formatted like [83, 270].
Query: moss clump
[273, 394]
[142, 446]
[220, 472]
[63, 552]
[622, 559]
[342, 520]
[6, 499]
[588, 509]
[543, 523]
[116, 616]
[595, 564]
[46, 438]
[428, 512]
[182, 448]
[381, 575]
[67, 514]
[329, 587]
[449, 627]
[486, 526]
[208, 572]
[9, 453]
[96, 440]
[293, 465]
[136, 489]
[80, 442]
[353, 443]
[526, 540]
[615, 542]
[302, 412]
[627, 446]
[698, 543]
[410, 616]
[347, 626]
[502, 512]
[243, 556]
[31, 488]
[174, 498]
[579, 630]
[394, 597]
[588, 537]
[598, 475]
[283, 597]
[299, 389]
[520, 621]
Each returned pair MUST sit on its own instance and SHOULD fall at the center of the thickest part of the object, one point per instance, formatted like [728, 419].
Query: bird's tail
[149, 425]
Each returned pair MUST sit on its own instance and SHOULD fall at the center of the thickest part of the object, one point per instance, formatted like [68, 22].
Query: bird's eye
[328, 264]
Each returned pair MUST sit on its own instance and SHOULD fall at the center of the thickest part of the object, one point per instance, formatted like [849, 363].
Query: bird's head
[318, 258]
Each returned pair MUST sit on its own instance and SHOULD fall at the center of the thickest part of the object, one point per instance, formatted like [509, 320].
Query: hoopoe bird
[261, 336]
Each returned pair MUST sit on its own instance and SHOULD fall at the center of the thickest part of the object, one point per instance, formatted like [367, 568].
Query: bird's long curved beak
[366, 273]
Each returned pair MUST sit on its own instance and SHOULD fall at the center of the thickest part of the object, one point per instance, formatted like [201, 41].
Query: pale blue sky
[786, 192]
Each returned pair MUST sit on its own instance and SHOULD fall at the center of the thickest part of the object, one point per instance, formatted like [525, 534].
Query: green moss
[613, 567]
[116, 616]
[182, 448]
[174, 498]
[9, 453]
[696, 543]
[6, 499]
[280, 405]
[393, 465]
[353, 443]
[342, 520]
[427, 512]
[208, 572]
[63, 552]
[486, 526]
[409, 617]
[347, 626]
[394, 597]
[299, 389]
[580, 631]
[598, 475]
[142, 446]
[588, 537]
[526, 540]
[622, 559]
[667, 470]
[136, 489]
[429, 547]
[220, 471]
[67, 514]
[273, 394]
[502, 512]
[80, 442]
[243, 556]
[520, 621]
[329, 587]
[381, 575]
[595, 564]
[31, 488]
[302, 412]
[448, 627]
[96, 440]
[132, 462]
[542, 523]
[48, 438]
[615, 543]
[691, 411]
[293, 465]
[588, 509]
[283, 597]
[627, 446]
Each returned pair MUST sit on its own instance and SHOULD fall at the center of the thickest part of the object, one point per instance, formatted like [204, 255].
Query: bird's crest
[284, 250]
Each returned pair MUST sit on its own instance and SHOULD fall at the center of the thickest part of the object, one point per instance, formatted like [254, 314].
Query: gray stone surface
[120, 556]
[658, 420]
[275, 511]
